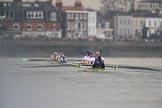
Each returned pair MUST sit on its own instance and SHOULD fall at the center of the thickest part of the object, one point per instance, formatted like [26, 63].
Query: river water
[69, 87]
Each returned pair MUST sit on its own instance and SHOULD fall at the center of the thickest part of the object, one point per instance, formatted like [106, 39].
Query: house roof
[21, 8]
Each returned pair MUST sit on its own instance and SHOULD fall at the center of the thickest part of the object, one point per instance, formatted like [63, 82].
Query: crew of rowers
[58, 56]
[94, 59]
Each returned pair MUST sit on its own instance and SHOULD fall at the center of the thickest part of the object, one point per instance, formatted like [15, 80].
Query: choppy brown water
[69, 87]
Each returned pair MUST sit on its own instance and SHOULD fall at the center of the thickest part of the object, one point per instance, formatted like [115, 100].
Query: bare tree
[118, 5]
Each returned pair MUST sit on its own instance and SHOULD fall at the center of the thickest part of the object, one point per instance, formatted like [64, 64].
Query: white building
[123, 27]
[153, 24]
[92, 22]
[104, 32]
[76, 24]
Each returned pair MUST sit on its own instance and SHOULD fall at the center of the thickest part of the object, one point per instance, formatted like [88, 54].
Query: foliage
[117, 5]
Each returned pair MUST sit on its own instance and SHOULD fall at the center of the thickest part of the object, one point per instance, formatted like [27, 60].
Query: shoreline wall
[78, 48]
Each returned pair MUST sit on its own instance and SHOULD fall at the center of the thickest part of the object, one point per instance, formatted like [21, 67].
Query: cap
[91, 52]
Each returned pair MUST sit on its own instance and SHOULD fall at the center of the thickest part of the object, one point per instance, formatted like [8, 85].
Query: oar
[56, 65]
[34, 59]
[120, 66]
[74, 60]
[111, 66]
[132, 67]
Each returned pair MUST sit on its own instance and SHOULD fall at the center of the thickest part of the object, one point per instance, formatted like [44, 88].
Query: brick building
[32, 19]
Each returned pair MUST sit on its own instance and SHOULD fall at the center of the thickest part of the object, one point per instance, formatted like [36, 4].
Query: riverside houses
[31, 19]
[77, 22]
[138, 25]
[150, 5]
[92, 25]
[153, 25]
[123, 29]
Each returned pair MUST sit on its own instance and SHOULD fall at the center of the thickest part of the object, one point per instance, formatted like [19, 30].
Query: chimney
[59, 4]
[78, 3]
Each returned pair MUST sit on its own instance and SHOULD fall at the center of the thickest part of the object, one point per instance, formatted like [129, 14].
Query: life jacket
[63, 59]
[99, 64]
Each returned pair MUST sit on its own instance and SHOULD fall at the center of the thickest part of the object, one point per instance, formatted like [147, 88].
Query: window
[68, 26]
[155, 24]
[85, 26]
[136, 22]
[93, 30]
[160, 6]
[129, 22]
[71, 26]
[85, 16]
[40, 27]
[16, 27]
[89, 19]
[29, 27]
[121, 21]
[125, 21]
[81, 16]
[40, 14]
[161, 24]
[89, 28]
[76, 16]
[141, 22]
[93, 19]
[151, 5]
[125, 31]
[79, 26]
[121, 31]
[7, 14]
[54, 26]
[128, 31]
[149, 23]
[72, 16]
[11, 15]
[53, 16]
[68, 16]
[34, 14]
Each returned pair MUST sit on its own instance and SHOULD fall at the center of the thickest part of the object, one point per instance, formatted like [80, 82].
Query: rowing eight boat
[58, 64]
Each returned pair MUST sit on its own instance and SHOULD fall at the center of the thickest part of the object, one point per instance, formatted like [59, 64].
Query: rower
[62, 58]
[86, 57]
[91, 58]
[99, 61]
[54, 56]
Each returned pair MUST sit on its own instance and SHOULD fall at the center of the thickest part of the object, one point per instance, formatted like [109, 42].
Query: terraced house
[150, 5]
[123, 29]
[31, 19]
[77, 22]
[137, 26]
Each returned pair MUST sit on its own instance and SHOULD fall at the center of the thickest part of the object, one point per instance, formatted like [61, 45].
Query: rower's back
[99, 63]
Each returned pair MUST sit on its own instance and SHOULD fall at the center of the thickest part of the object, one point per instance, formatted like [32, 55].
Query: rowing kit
[78, 64]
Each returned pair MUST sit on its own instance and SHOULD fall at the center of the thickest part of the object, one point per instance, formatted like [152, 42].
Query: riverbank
[78, 48]
[85, 43]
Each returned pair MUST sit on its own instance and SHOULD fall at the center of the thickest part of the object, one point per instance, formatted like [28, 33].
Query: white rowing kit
[89, 60]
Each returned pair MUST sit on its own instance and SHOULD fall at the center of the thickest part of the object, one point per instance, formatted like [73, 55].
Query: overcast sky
[95, 4]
